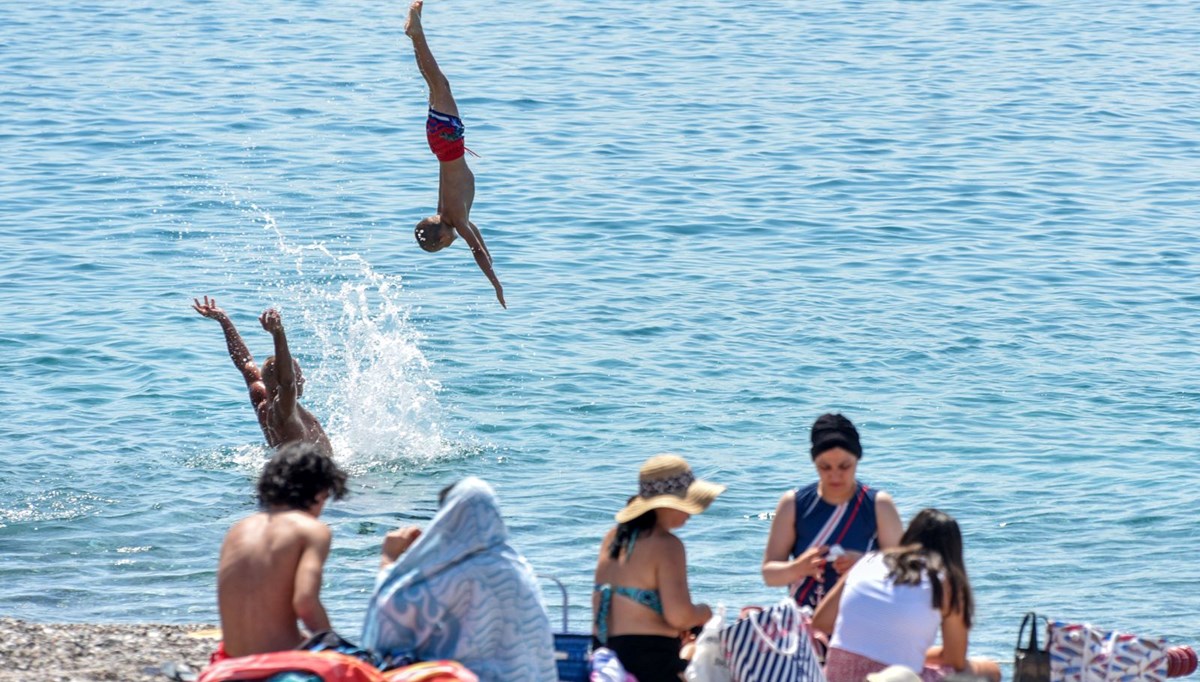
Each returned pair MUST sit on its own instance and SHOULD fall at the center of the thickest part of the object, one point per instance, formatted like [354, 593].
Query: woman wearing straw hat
[641, 600]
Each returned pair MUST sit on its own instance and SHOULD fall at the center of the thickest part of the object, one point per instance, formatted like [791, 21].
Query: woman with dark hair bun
[888, 609]
[820, 530]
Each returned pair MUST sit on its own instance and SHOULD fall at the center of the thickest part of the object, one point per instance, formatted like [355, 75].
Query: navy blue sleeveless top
[850, 524]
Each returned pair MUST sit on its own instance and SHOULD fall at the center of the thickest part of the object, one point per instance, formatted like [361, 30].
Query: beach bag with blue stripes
[772, 645]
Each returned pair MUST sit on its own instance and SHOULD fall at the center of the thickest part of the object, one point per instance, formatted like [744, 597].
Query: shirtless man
[276, 388]
[269, 575]
[456, 183]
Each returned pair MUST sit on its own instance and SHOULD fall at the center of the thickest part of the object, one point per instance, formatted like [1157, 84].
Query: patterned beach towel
[461, 592]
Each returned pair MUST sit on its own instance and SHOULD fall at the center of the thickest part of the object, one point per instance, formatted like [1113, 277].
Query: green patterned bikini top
[648, 598]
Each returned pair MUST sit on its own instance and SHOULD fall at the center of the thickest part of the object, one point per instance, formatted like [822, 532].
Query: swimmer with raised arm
[275, 389]
[456, 183]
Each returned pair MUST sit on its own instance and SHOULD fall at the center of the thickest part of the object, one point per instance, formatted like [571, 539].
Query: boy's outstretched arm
[233, 341]
[285, 370]
[237, 348]
[474, 239]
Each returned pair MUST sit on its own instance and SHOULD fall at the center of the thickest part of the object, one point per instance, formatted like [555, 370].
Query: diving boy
[456, 183]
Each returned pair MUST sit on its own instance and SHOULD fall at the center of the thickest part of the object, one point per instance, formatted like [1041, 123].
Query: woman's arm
[887, 521]
[678, 609]
[778, 569]
[953, 651]
[954, 634]
[825, 617]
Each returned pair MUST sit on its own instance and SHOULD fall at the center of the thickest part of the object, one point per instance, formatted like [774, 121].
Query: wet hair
[268, 367]
[932, 546]
[297, 474]
[429, 235]
[627, 530]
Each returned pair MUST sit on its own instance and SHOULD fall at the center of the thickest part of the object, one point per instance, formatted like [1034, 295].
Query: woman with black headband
[820, 530]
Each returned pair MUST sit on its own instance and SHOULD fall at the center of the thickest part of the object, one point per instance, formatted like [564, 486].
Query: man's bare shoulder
[306, 529]
[249, 525]
[258, 394]
[277, 530]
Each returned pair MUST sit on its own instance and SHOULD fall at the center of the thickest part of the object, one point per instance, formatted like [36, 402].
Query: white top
[888, 623]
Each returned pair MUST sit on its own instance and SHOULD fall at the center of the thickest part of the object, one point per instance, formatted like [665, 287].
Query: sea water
[968, 226]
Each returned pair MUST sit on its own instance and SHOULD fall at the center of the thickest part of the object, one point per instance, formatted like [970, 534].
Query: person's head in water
[433, 234]
[300, 476]
[270, 376]
[835, 453]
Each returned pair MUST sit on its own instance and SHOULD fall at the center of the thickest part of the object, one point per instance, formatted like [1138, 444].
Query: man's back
[269, 576]
[296, 425]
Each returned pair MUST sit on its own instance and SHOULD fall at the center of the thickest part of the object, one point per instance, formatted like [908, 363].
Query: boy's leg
[440, 97]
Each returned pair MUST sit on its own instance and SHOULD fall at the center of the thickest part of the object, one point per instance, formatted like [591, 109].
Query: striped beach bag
[772, 645]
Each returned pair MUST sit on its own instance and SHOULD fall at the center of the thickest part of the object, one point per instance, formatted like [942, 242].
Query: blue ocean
[969, 226]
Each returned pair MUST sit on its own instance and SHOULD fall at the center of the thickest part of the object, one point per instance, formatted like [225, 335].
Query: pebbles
[64, 652]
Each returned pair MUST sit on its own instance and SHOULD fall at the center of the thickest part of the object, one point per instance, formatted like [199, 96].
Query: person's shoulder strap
[855, 508]
[870, 492]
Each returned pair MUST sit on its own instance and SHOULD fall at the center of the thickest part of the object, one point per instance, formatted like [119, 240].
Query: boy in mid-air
[456, 183]
[269, 575]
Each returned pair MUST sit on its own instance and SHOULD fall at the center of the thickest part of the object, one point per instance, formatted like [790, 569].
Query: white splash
[367, 379]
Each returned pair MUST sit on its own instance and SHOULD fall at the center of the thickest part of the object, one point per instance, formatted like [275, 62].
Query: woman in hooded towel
[459, 591]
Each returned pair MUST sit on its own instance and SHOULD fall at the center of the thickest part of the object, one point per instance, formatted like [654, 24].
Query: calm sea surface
[971, 226]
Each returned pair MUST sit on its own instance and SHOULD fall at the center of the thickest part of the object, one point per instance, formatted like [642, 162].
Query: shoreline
[67, 652]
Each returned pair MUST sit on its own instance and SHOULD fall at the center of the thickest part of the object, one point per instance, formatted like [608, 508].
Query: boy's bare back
[269, 577]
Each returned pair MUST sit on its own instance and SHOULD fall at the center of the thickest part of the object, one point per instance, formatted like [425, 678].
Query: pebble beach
[67, 652]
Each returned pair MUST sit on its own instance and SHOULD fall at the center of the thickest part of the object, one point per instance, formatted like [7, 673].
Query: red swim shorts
[445, 134]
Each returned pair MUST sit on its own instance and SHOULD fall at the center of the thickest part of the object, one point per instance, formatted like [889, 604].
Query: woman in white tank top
[889, 608]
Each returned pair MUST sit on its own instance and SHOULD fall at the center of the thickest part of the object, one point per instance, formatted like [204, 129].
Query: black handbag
[1031, 663]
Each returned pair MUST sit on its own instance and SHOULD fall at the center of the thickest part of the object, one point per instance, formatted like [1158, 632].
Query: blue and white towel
[461, 592]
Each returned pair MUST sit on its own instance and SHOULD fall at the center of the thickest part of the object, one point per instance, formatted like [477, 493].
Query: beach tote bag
[1082, 653]
[1031, 663]
[772, 645]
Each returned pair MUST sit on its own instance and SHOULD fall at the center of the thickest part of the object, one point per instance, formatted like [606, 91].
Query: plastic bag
[606, 667]
[708, 660]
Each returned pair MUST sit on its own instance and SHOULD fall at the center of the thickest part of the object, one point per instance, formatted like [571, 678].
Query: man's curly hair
[297, 474]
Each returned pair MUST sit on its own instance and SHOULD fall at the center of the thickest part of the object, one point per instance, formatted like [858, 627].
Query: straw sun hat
[667, 482]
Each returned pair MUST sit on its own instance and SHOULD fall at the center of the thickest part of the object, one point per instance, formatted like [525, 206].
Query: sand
[78, 651]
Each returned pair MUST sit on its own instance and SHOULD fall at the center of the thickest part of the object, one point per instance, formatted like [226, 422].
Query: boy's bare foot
[412, 26]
